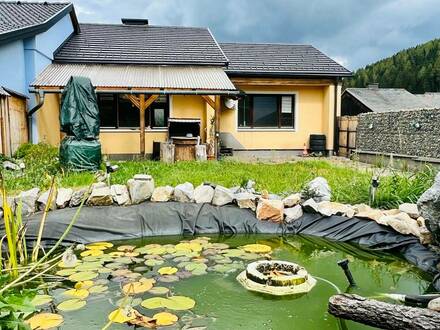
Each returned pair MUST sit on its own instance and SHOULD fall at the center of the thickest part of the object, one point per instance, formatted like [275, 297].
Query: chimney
[373, 85]
[134, 21]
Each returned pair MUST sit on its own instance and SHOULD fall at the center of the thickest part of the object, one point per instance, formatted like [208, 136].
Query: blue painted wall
[21, 61]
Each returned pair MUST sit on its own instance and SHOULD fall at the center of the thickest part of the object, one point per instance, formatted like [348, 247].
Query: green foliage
[416, 69]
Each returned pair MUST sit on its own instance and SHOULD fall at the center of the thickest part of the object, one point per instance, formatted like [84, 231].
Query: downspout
[40, 97]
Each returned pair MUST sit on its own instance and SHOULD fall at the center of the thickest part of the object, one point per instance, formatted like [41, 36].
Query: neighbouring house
[154, 82]
[431, 99]
[374, 99]
[30, 33]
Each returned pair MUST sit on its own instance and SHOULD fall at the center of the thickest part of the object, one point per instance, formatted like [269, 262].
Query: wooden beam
[208, 100]
[134, 100]
[142, 123]
[217, 108]
[149, 101]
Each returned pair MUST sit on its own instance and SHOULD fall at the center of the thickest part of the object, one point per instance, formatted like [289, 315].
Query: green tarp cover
[79, 114]
[80, 155]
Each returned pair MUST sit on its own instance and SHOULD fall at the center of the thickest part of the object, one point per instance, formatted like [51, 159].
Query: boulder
[333, 208]
[77, 197]
[141, 188]
[184, 193]
[7, 165]
[222, 196]
[272, 210]
[28, 199]
[293, 213]
[162, 194]
[100, 197]
[434, 304]
[63, 197]
[246, 200]
[429, 207]
[250, 186]
[319, 189]
[203, 194]
[43, 200]
[366, 212]
[402, 223]
[11, 200]
[120, 194]
[292, 200]
[411, 209]
[310, 206]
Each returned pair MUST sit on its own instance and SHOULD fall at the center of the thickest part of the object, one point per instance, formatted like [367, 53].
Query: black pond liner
[159, 219]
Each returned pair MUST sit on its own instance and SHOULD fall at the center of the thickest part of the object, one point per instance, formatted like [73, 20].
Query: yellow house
[255, 100]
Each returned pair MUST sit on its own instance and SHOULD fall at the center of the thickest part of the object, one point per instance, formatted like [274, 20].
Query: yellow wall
[48, 120]
[314, 114]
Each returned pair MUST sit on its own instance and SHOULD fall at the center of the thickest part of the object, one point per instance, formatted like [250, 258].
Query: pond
[220, 301]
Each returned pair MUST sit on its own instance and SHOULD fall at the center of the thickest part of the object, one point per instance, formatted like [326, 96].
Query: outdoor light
[373, 187]
[110, 169]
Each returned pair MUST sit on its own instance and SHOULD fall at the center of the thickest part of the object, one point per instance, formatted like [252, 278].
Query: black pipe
[421, 300]
[32, 111]
[344, 265]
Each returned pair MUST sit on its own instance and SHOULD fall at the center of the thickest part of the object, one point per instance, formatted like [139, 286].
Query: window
[117, 111]
[266, 111]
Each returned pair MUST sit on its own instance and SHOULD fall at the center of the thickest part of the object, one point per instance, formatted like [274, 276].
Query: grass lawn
[349, 184]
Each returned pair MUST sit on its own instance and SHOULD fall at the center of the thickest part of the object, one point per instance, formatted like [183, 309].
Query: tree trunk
[382, 315]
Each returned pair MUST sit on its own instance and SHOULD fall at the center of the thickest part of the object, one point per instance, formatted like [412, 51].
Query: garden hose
[419, 300]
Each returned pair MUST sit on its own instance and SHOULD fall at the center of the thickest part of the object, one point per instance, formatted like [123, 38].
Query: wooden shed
[13, 121]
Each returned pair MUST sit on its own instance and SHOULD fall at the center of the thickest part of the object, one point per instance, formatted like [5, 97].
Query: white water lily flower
[69, 258]
[80, 247]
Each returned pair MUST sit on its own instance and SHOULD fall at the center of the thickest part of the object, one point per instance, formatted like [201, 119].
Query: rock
[203, 194]
[274, 197]
[320, 189]
[29, 200]
[63, 197]
[272, 210]
[11, 200]
[250, 186]
[292, 200]
[43, 200]
[366, 212]
[100, 197]
[99, 185]
[333, 208]
[411, 209]
[429, 207]
[141, 188]
[434, 304]
[7, 165]
[162, 194]
[293, 213]
[402, 223]
[184, 193]
[120, 194]
[310, 206]
[246, 200]
[77, 197]
[222, 196]
[236, 190]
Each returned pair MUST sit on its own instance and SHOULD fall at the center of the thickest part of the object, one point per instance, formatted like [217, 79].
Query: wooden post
[142, 124]
[217, 109]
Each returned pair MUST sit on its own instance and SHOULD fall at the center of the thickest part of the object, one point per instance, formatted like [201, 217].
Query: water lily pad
[89, 266]
[167, 270]
[121, 315]
[83, 285]
[126, 248]
[164, 318]
[168, 278]
[92, 253]
[43, 321]
[249, 256]
[96, 247]
[226, 268]
[114, 265]
[41, 299]
[233, 253]
[181, 259]
[66, 272]
[153, 303]
[159, 290]
[184, 274]
[218, 246]
[257, 248]
[61, 264]
[77, 293]
[141, 269]
[153, 262]
[98, 289]
[104, 270]
[83, 276]
[71, 305]
[138, 287]
[196, 268]
[116, 254]
[128, 301]
[124, 260]
[188, 246]
[180, 303]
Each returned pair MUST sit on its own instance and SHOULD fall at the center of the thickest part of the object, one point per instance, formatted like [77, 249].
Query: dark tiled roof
[20, 19]
[388, 99]
[134, 44]
[280, 59]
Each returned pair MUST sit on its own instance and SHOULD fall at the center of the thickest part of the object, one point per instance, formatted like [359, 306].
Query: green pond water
[222, 303]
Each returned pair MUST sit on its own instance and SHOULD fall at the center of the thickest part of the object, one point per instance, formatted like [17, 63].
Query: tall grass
[350, 184]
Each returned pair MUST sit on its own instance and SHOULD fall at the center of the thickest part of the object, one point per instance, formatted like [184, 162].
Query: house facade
[30, 33]
[256, 99]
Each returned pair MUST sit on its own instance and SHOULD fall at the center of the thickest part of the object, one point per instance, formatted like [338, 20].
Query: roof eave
[40, 28]
[286, 74]
[178, 63]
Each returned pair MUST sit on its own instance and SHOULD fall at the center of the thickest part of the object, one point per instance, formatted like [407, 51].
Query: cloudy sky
[353, 32]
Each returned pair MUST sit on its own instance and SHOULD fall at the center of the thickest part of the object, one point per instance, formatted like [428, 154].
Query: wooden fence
[13, 124]
[347, 126]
